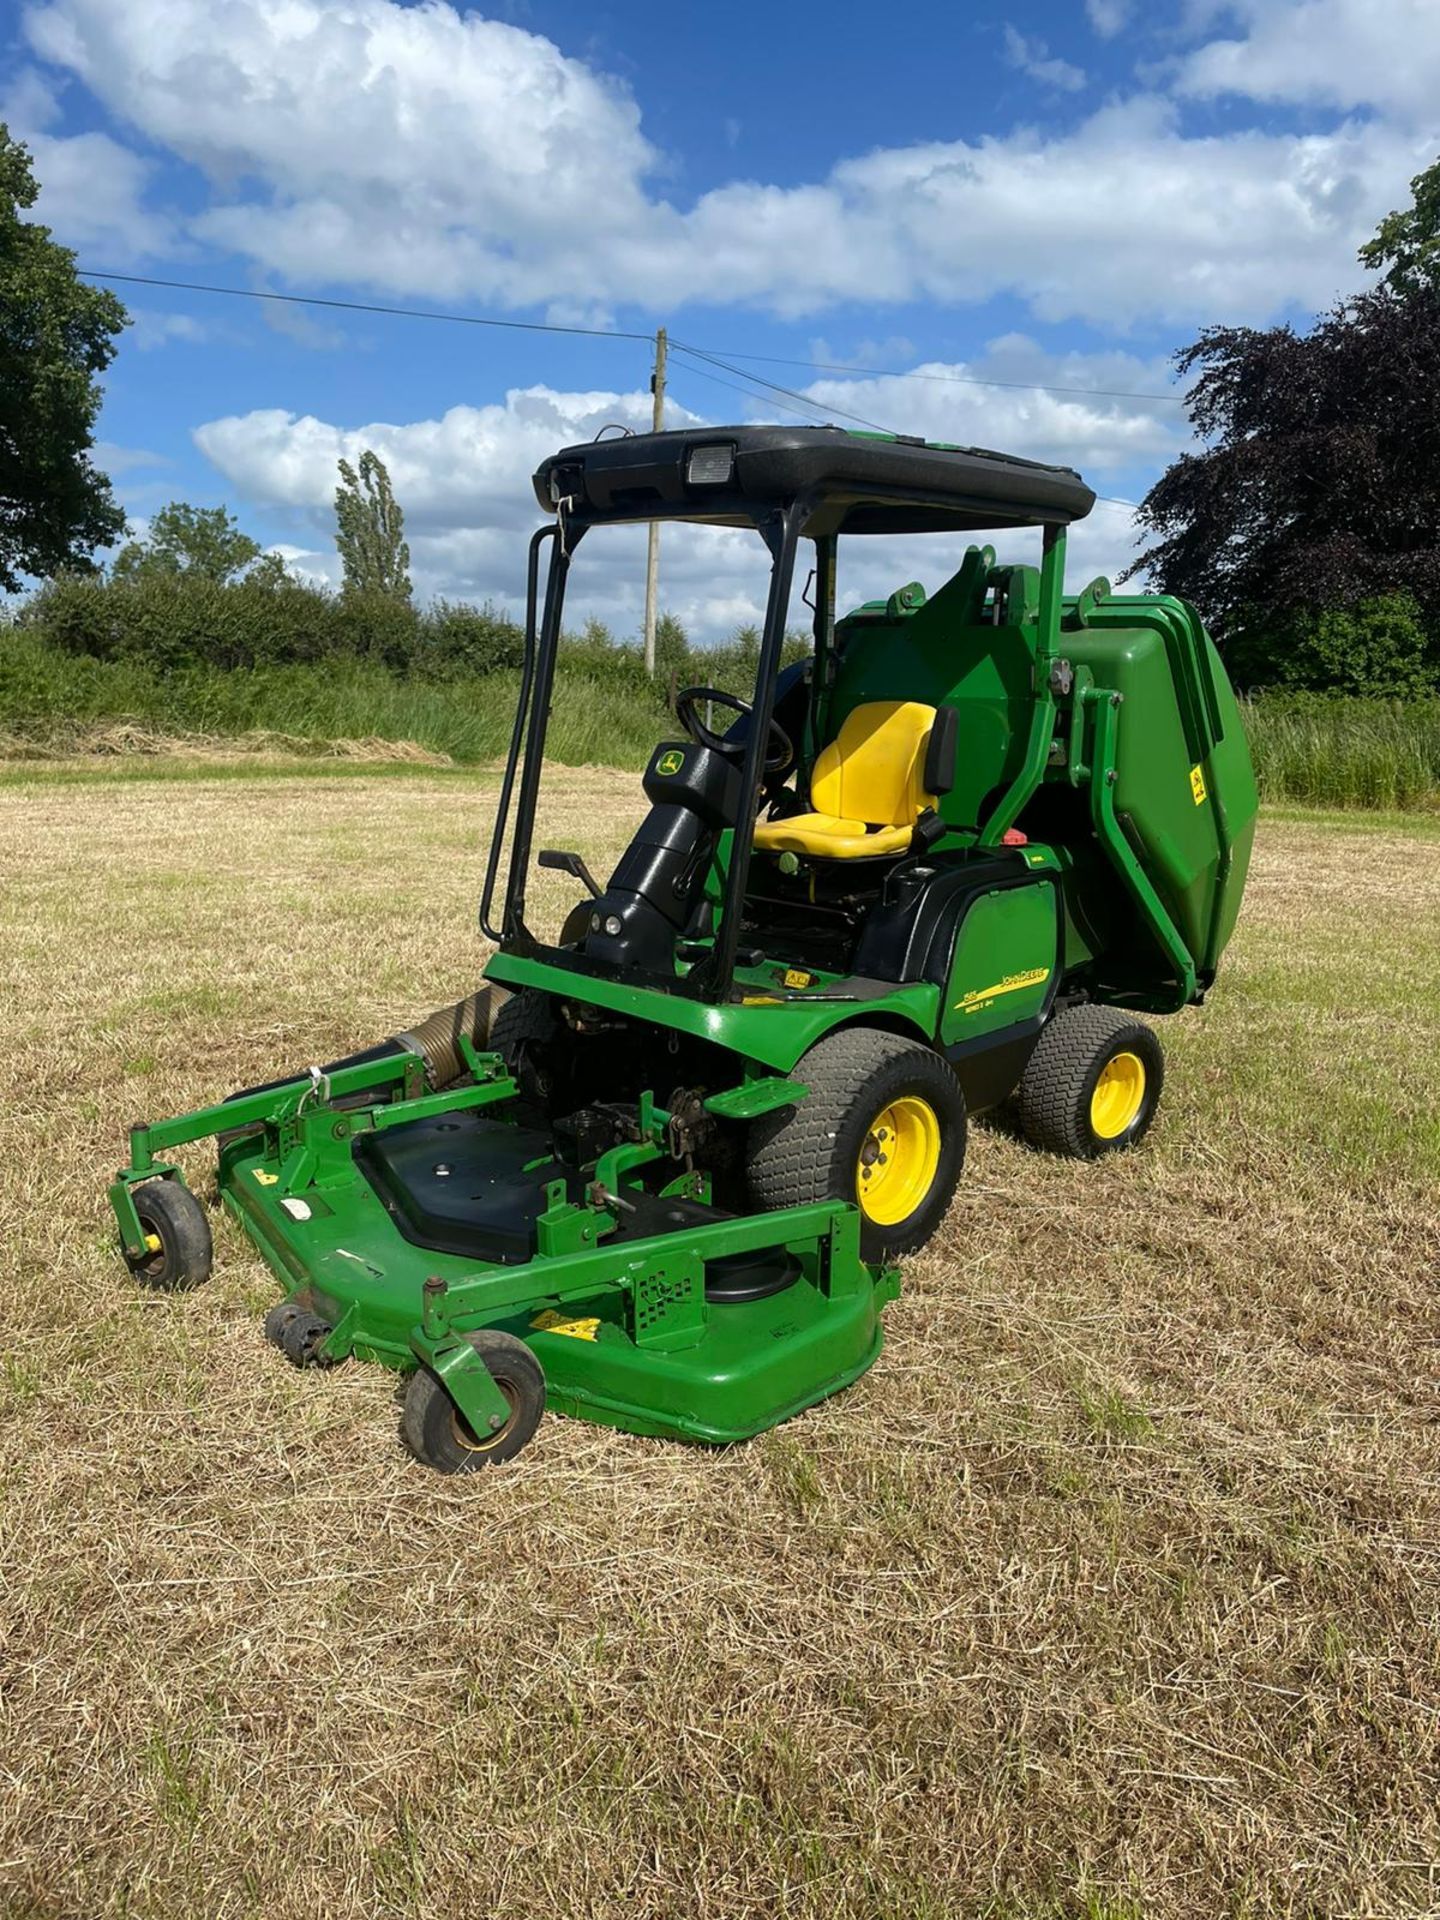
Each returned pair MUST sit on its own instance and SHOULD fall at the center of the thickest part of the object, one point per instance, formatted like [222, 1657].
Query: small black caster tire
[278, 1319]
[302, 1340]
[1092, 1084]
[437, 1433]
[180, 1251]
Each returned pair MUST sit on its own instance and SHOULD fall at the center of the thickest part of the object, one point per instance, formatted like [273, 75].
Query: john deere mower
[657, 1171]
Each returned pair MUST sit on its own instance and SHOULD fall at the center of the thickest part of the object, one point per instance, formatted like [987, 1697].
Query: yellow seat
[867, 788]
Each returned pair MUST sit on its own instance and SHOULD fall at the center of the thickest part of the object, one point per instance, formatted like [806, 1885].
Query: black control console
[656, 890]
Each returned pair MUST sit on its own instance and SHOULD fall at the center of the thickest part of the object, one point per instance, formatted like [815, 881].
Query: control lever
[572, 864]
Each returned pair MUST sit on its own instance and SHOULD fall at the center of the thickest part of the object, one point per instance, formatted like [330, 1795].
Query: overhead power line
[621, 333]
[789, 393]
[807, 412]
[362, 306]
[948, 379]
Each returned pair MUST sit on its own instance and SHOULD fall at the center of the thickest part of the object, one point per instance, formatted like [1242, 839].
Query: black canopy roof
[862, 483]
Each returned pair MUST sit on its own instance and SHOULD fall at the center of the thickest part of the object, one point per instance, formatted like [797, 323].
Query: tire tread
[1048, 1101]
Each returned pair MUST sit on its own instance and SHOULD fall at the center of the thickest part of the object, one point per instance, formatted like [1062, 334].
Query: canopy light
[710, 466]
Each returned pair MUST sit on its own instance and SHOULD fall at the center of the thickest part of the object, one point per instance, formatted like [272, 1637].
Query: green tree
[370, 530]
[56, 336]
[1408, 242]
[197, 543]
[1379, 646]
[672, 650]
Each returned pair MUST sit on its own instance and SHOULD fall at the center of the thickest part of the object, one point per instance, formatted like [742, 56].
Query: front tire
[883, 1126]
[526, 1034]
[1092, 1084]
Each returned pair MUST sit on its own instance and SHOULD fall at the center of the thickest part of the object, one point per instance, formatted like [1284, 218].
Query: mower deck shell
[724, 1372]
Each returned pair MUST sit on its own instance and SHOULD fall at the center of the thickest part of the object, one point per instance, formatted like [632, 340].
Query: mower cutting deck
[935, 868]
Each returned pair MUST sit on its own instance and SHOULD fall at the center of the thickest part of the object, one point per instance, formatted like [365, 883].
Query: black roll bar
[780, 529]
[517, 732]
[781, 533]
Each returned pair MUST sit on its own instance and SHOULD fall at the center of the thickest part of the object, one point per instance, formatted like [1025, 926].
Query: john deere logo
[670, 762]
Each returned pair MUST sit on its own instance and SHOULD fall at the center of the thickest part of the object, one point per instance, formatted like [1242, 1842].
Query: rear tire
[1092, 1084]
[883, 1126]
[437, 1433]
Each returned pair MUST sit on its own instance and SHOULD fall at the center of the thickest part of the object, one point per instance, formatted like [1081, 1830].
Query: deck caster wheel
[278, 1319]
[302, 1339]
[179, 1252]
[436, 1431]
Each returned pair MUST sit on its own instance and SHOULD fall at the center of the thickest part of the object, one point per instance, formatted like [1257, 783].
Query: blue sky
[1046, 196]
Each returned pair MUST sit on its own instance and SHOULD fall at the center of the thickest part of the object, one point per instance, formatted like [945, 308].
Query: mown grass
[1112, 1591]
[1316, 750]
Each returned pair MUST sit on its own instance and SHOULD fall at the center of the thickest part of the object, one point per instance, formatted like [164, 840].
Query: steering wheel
[779, 748]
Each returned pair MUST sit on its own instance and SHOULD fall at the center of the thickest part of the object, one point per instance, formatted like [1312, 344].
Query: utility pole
[652, 559]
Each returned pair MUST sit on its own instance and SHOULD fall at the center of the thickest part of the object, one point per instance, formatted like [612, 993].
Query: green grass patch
[1311, 750]
[1335, 750]
[59, 703]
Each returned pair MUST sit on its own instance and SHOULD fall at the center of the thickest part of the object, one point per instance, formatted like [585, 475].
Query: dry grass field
[1110, 1592]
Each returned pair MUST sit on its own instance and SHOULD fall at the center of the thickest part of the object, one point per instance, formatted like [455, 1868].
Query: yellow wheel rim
[898, 1160]
[1118, 1097]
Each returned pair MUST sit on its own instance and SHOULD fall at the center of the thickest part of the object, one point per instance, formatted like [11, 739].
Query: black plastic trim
[877, 485]
[989, 1067]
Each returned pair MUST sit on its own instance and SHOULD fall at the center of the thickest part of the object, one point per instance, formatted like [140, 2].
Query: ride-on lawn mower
[656, 1172]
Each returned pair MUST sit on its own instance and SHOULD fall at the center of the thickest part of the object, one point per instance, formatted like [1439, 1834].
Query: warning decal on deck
[551, 1322]
[1197, 786]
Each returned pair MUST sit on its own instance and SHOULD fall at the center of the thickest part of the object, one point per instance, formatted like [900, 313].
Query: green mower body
[944, 864]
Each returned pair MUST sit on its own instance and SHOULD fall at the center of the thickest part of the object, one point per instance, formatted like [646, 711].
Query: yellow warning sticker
[797, 977]
[1197, 786]
[551, 1322]
[266, 1179]
[1012, 983]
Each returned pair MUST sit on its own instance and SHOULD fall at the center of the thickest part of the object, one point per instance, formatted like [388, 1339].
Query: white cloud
[470, 468]
[92, 189]
[420, 151]
[316, 569]
[1107, 17]
[1337, 53]
[410, 131]
[1035, 61]
[112, 459]
[1098, 427]
[150, 328]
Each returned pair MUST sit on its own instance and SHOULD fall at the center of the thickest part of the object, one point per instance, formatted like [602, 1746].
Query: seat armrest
[928, 829]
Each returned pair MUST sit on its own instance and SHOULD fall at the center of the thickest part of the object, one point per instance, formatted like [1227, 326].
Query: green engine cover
[1003, 970]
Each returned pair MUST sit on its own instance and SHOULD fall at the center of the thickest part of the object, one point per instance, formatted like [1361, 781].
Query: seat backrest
[873, 770]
